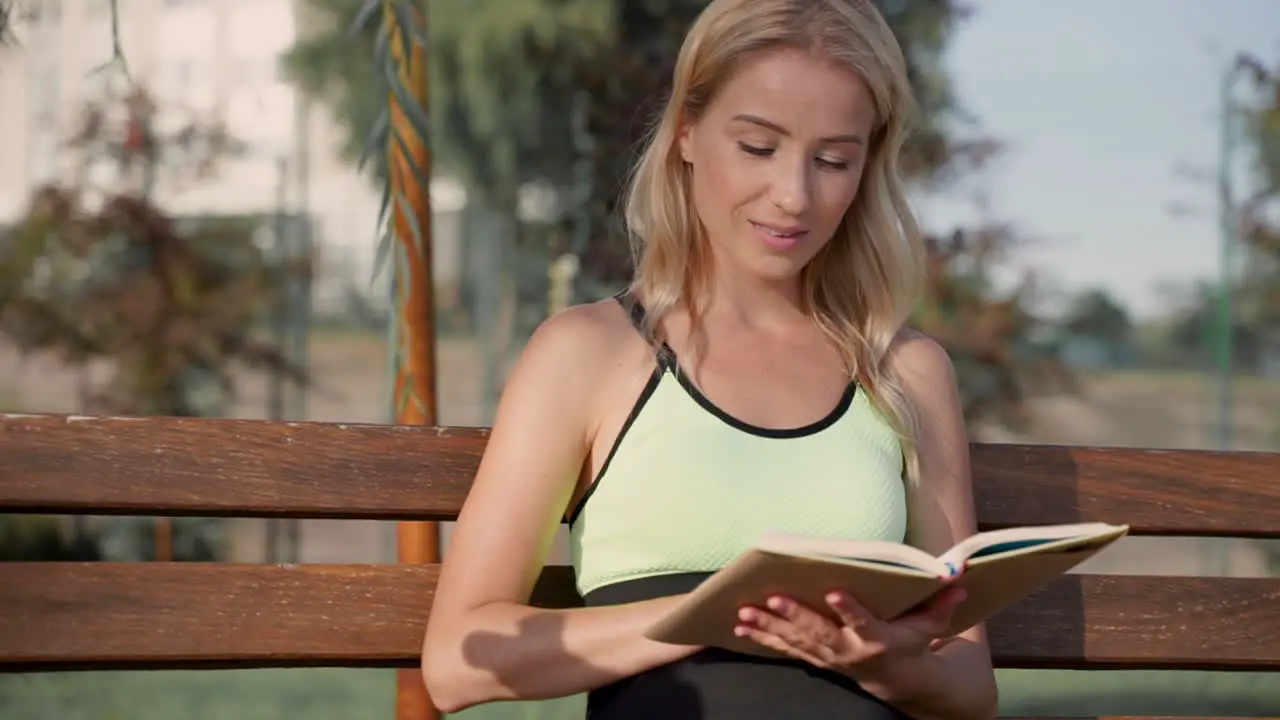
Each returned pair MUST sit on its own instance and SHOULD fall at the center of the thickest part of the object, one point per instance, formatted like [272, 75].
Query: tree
[1260, 212]
[6, 21]
[99, 274]
[496, 119]
[560, 92]
[1096, 313]
[102, 272]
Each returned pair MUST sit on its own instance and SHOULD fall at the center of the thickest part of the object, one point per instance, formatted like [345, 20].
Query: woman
[755, 377]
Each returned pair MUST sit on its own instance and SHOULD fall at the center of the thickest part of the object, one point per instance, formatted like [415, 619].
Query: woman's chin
[776, 268]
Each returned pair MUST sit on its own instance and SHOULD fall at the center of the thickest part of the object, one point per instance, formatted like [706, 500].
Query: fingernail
[745, 614]
[739, 630]
[835, 598]
[775, 603]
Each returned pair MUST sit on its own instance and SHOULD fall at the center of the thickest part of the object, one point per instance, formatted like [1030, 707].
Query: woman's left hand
[859, 645]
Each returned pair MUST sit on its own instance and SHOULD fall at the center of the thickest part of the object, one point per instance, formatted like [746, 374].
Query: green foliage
[939, 150]
[132, 539]
[1260, 212]
[1097, 314]
[492, 115]
[1195, 318]
[1262, 123]
[504, 75]
[986, 332]
[92, 273]
[386, 136]
[501, 99]
[25, 538]
[7, 10]
[561, 91]
[335, 66]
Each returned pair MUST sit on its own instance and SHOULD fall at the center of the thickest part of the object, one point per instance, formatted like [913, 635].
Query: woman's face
[776, 160]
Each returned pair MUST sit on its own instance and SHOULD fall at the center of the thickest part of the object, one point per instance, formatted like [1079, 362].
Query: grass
[1184, 380]
[339, 694]
[317, 694]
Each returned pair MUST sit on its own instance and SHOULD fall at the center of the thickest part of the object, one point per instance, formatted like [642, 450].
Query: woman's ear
[684, 141]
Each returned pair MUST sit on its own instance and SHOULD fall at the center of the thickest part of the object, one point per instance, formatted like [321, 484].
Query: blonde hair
[861, 287]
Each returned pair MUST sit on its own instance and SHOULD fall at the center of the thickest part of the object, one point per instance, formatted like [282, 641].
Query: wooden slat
[250, 468]
[1157, 492]
[73, 616]
[244, 468]
[1144, 622]
[149, 615]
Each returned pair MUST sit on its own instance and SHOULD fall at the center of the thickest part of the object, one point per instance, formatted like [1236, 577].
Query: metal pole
[280, 252]
[302, 248]
[1228, 222]
[279, 322]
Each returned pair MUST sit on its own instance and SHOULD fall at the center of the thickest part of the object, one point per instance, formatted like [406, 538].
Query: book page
[878, 552]
[1019, 540]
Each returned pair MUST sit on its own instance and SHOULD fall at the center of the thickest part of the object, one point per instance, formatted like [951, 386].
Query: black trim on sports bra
[668, 359]
[636, 312]
[641, 400]
[826, 421]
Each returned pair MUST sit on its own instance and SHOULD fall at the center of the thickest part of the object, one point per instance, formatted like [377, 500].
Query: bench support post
[413, 331]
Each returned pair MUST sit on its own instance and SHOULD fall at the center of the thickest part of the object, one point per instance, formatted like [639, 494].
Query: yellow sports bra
[686, 486]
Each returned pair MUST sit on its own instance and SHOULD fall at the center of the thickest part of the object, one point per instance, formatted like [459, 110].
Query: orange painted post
[163, 532]
[409, 163]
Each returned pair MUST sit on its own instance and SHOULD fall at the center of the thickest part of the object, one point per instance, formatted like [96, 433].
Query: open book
[995, 568]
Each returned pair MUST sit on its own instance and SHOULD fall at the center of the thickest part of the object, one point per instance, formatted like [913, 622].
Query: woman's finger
[798, 626]
[851, 612]
[933, 618]
[785, 623]
[799, 615]
[778, 644]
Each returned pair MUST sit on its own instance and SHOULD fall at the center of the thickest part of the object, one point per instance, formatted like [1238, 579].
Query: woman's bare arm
[483, 641]
[956, 681]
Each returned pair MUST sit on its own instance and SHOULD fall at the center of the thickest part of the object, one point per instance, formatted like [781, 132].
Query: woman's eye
[833, 164]
[755, 150]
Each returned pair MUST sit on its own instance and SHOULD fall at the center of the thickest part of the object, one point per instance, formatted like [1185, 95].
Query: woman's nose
[792, 187]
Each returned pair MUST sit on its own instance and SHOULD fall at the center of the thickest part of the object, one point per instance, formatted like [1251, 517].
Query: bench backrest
[59, 616]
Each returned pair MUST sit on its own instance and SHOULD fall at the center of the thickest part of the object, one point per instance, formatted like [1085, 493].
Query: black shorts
[716, 684]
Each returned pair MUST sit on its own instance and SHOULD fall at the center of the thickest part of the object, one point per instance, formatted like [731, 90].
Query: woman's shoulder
[915, 355]
[585, 329]
[580, 346]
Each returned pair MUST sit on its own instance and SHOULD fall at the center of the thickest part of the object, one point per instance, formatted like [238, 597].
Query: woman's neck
[753, 301]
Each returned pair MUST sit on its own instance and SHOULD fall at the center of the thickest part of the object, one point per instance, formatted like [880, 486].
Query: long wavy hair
[861, 286]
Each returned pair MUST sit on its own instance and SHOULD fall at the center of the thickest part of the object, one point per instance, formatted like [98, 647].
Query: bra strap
[635, 310]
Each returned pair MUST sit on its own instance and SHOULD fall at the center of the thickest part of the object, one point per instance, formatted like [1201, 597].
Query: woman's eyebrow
[770, 125]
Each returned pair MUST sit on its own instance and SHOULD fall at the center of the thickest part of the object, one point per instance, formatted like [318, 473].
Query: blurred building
[207, 59]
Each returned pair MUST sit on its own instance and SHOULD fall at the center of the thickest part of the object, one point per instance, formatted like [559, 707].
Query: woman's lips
[780, 237]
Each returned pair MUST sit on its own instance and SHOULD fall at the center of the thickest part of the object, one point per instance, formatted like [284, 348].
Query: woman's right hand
[579, 374]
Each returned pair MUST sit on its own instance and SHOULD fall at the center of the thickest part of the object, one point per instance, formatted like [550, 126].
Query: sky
[1100, 102]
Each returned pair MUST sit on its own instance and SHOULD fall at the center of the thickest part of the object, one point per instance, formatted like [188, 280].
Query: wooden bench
[72, 616]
